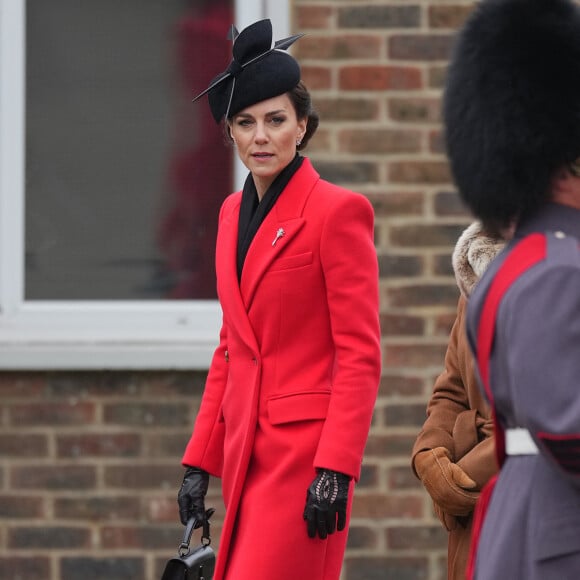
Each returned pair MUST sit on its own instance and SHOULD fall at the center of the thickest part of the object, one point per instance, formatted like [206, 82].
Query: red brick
[147, 414]
[320, 142]
[405, 415]
[402, 478]
[148, 537]
[343, 47]
[380, 17]
[188, 384]
[96, 384]
[442, 265]
[380, 78]
[378, 506]
[420, 47]
[369, 476]
[402, 324]
[379, 141]
[412, 538]
[398, 204]
[162, 445]
[316, 77]
[49, 537]
[99, 445]
[444, 322]
[346, 109]
[436, 75]
[141, 477]
[163, 508]
[360, 537]
[448, 15]
[53, 477]
[389, 445]
[89, 568]
[415, 110]
[23, 445]
[396, 266]
[436, 143]
[425, 235]
[448, 203]
[414, 172]
[12, 507]
[380, 567]
[423, 295]
[313, 17]
[25, 567]
[98, 508]
[51, 413]
[415, 355]
[21, 385]
[394, 384]
[351, 173]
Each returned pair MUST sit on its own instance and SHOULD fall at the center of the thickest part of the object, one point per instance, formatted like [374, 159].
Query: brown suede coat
[458, 417]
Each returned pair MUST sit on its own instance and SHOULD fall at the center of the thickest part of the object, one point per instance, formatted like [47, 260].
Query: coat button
[227, 356]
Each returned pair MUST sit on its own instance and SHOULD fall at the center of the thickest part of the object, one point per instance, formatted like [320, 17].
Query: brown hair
[302, 102]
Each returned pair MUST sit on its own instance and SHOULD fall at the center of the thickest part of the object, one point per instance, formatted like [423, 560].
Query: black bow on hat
[258, 71]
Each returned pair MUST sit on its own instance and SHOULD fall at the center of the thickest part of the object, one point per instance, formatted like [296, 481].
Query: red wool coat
[293, 382]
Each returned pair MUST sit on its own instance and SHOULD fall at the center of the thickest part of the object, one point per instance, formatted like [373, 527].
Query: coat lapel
[228, 287]
[277, 230]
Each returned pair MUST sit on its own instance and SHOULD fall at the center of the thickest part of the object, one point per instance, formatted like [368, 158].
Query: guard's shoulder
[562, 249]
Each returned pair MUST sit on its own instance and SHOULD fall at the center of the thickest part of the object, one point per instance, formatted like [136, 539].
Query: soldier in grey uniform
[512, 125]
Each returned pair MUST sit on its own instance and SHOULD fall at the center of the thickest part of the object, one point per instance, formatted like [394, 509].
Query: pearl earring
[298, 141]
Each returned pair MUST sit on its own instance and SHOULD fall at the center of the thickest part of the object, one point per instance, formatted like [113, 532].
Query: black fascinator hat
[258, 71]
[511, 105]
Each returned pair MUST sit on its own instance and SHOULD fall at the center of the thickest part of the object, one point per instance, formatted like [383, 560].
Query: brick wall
[90, 461]
[89, 472]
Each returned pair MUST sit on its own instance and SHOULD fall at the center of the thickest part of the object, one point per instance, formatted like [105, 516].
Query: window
[110, 180]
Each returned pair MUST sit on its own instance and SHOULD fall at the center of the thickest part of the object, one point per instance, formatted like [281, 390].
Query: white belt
[519, 442]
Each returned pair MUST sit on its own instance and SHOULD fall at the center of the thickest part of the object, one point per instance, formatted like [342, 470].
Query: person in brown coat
[453, 454]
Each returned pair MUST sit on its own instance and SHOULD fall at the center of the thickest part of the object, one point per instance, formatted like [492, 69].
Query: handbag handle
[193, 524]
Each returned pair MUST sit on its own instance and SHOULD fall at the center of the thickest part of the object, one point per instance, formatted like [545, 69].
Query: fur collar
[472, 255]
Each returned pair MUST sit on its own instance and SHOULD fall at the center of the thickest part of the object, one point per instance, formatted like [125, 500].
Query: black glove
[191, 496]
[326, 501]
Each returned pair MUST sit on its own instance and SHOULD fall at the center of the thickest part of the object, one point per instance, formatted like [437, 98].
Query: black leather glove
[326, 501]
[191, 496]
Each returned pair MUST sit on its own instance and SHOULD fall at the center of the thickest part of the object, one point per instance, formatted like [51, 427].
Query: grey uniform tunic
[532, 527]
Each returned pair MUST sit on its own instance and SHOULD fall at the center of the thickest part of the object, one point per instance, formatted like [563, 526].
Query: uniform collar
[552, 217]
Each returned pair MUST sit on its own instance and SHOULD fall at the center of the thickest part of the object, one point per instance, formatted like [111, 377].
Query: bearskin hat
[511, 105]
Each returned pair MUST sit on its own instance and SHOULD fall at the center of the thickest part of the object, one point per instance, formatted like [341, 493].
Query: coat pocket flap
[298, 407]
[291, 262]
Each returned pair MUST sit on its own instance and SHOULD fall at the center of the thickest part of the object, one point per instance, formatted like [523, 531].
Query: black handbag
[196, 564]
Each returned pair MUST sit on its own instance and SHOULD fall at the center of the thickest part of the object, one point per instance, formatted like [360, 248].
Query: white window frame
[47, 335]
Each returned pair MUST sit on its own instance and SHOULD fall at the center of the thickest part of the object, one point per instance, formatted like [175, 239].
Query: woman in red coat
[290, 392]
